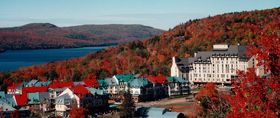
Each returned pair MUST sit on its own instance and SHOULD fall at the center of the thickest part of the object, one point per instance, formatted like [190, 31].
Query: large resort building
[217, 66]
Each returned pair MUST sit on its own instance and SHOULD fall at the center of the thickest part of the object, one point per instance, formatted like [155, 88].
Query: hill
[153, 56]
[46, 35]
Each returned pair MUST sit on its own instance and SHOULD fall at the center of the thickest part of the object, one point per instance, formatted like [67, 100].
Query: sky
[162, 14]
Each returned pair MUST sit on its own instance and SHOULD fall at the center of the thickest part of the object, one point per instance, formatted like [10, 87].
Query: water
[13, 59]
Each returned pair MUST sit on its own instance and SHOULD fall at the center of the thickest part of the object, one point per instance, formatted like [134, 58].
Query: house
[103, 85]
[177, 86]
[91, 98]
[154, 112]
[112, 86]
[159, 87]
[123, 80]
[65, 101]
[218, 66]
[99, 100]
[140, 89]
[63, 105]
[39, 101]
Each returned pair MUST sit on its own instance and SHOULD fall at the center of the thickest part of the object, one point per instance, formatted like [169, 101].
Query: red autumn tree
[78, 113]
[210, 102]
[256, 96]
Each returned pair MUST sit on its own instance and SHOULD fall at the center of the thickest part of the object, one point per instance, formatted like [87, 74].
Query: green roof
[176, 79]
[102, 82]
[124, 77]
[139, 82]
[96, 91]
[33, 98]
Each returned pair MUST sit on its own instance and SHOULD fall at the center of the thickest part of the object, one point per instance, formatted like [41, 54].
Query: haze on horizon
[163, 14]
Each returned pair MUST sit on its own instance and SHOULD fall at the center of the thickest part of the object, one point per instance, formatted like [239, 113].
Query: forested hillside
[153, 56]
[46, 35]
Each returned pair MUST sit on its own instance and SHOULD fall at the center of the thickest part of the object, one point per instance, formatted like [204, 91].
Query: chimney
[174, 59]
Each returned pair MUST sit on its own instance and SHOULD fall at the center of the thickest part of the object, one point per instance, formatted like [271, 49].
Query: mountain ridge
[47, 35]
[153, 56]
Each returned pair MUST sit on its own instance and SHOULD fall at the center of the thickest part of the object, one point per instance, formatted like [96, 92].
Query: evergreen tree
[127, 107]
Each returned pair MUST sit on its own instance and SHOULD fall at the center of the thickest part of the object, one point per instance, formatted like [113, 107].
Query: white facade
[218, 66]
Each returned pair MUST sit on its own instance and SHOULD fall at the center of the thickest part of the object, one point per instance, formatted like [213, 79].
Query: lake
[13, 59]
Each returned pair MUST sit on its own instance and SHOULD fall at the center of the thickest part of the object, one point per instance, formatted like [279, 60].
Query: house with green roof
[103, 85]
[39, 101]
[177, 86]
[141, 89]
[122, 80]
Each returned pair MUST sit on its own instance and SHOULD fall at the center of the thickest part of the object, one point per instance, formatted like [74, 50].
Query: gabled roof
[80, 90]
[5, 107]
[157, 79]
[59, 84]
[111, 81]
[35, 89]
[139, 82]
[124, 77]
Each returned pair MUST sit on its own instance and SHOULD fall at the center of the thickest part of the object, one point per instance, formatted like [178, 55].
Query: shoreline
[99, 45]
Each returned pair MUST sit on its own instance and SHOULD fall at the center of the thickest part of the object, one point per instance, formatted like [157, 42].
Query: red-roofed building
[21, 99]
[13, 88]
[157, 79]
[34, 89]
[58, 84]
[159, 88]
[80, 90]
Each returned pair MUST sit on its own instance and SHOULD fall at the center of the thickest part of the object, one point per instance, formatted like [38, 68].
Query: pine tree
[127, 107]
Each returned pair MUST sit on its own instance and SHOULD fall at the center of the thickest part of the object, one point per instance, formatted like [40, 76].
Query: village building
[65, 101]
[140, 89]
[218, 66]
[177, 86]
[159, 87]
